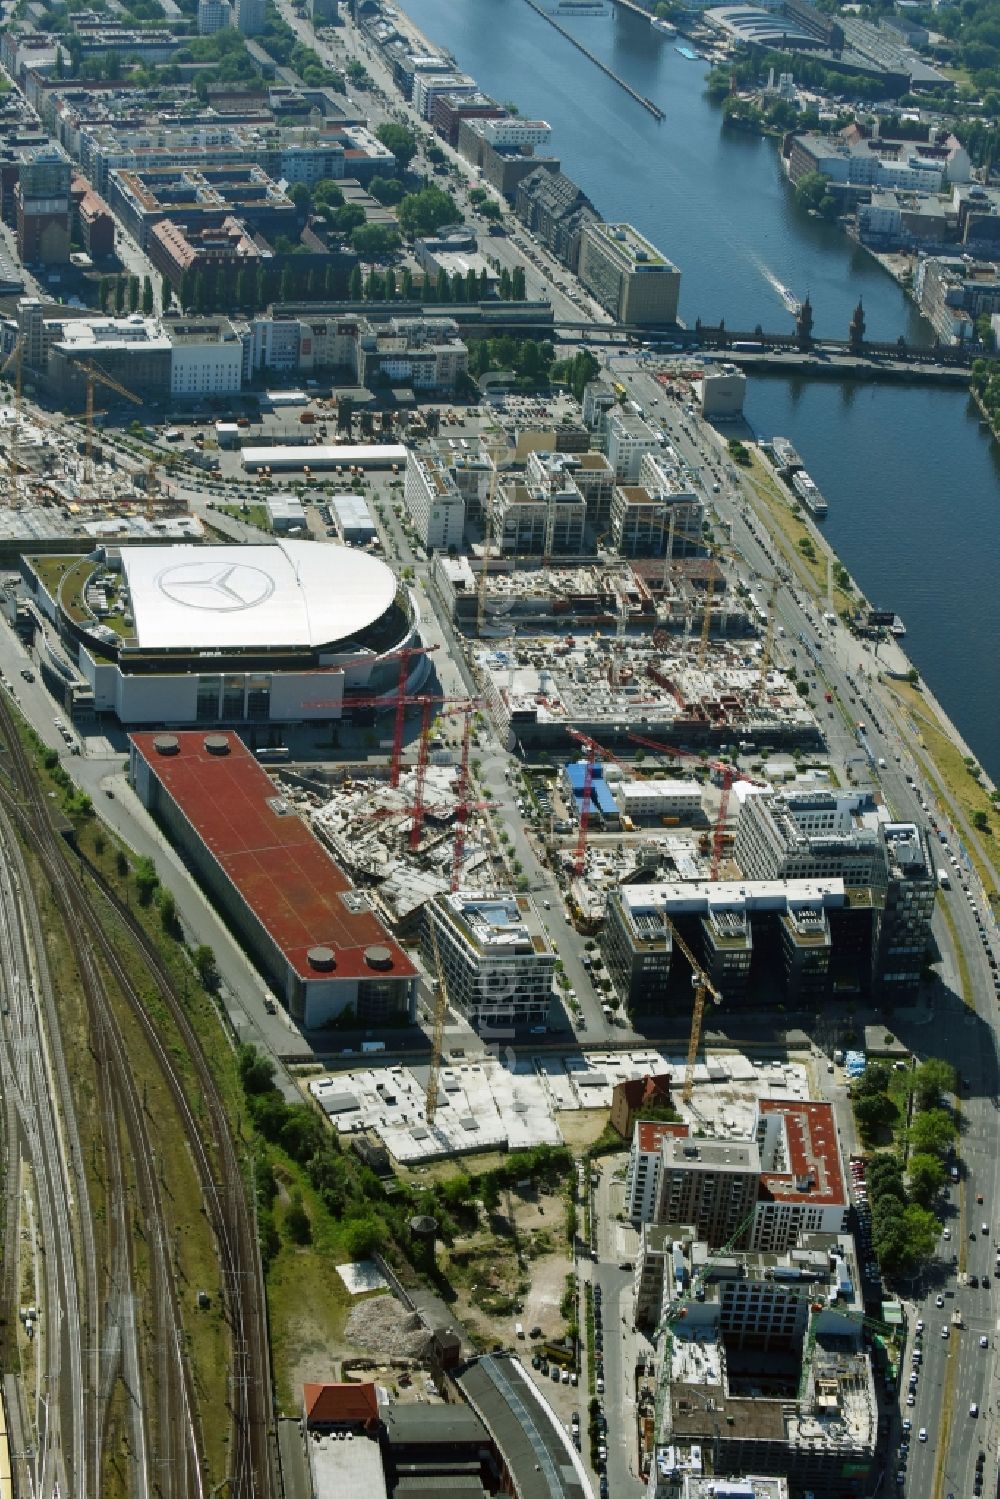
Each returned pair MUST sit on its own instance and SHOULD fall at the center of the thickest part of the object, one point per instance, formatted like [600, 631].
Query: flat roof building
[434, 501]
[722, 919]
[314, 938]
[498, 962]
[628, 275]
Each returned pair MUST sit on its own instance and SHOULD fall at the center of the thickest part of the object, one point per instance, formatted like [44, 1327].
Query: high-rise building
[44, 206]
[213, 16]
[248, 16]
[628, 275]
[432, 497]
[498, 963]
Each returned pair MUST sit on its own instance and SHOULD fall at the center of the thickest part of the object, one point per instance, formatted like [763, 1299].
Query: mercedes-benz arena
[275, 633]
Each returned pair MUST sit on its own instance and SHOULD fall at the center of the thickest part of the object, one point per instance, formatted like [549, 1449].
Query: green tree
[458, 287]
[360, 1236]
[406, 283]
[104, 292]
[205, 966]
[373, 240]
[427, 211]
[166, 293]
[390, 285]
[355, 285]
[388, 190]
[518, 286]
[874, 1111]
[133, 293]
[301, 197]
[298, 1225]
[146, 880]
[168, 913]
[147, 296]
[933, 1132]
[926, 1177]
[256, 1070]
[287, 292]
[471, 286]
[931, 1080]
[921, 1229]
[400, 141]
[442, 286]
[244, 287]
[120, 293]
[504, 287]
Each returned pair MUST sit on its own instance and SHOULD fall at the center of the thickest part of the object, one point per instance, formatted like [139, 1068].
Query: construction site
[516, 1101]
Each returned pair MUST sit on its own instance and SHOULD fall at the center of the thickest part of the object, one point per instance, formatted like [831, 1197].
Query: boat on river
[657, 23]
[809, 494]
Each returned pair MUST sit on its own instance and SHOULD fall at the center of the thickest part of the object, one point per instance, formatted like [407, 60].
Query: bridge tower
[804, 325]
[856, 333]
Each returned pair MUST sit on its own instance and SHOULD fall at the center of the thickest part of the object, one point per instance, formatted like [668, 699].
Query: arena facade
[275, 633]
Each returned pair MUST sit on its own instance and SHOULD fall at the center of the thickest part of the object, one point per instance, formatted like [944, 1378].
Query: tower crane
[703, 988]
[15, 358]
[437, 1031]
[94, 376]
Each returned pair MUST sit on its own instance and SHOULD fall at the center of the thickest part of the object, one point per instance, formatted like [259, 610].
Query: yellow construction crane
[703, 987]
[15, 358]
[168, 461]
[94, 375]
[437, 1032]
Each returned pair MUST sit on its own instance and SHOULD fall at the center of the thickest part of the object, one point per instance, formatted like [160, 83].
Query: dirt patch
[512, 1269]
[581, 1127]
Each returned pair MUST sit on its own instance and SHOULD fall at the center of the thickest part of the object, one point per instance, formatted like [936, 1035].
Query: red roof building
[345, 1406]
[313, 936]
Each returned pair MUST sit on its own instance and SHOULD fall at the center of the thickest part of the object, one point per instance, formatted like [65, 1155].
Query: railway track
[227, 1203]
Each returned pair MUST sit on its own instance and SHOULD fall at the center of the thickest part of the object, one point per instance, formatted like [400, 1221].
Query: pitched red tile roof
[340, 1404]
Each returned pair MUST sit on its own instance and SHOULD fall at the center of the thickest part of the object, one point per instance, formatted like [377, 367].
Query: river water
[911, 481]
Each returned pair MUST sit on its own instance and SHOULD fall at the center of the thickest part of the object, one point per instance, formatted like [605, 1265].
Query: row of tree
[903, 1189]
[119, 294]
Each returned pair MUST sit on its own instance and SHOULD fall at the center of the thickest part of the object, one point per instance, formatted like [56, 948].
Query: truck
[369, 1047]
[944, 879]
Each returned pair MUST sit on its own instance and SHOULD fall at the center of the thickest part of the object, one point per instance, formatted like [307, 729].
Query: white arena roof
[290, 594]
[293, 455]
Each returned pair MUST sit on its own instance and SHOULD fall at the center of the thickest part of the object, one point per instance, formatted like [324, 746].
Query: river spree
[911, 480]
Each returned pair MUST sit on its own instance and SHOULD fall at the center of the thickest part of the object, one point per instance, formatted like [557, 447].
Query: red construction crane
[456, 705]
[595, 754]
[400, 698]
[727, 774]
[461, 804]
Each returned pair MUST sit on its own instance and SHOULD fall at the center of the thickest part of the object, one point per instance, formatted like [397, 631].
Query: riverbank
[550, 89]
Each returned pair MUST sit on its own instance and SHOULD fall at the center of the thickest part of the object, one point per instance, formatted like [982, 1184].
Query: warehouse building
[314, 938]
[290, 457]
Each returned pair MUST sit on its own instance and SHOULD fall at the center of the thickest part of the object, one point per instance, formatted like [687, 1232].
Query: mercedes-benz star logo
[219, 587]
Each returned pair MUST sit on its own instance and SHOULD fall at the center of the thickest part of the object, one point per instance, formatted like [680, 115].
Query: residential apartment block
[786, 1179]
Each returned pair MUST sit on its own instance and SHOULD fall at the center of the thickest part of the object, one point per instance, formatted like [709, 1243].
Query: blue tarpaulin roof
[601, 796]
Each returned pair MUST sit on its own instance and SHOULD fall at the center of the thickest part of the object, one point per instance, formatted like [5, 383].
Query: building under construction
[680, 693]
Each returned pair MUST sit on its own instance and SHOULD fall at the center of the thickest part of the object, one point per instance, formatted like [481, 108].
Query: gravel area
[385, 1329]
